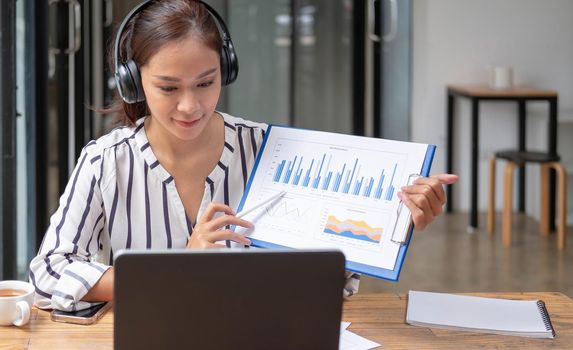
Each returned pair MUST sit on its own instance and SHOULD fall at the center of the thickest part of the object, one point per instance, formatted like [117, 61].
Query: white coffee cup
[16, 299]
[501, 77]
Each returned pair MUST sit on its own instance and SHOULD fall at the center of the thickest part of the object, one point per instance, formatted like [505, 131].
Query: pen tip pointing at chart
[265, 202]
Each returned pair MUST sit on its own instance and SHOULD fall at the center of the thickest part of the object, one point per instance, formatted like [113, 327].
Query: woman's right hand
[209, 230]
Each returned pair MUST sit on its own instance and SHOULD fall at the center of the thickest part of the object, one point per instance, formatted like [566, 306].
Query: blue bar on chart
[279, 171]
[317, 178]
[368, 188]
[298, 174]
[349, 181]
[345, 180]
[307, 177]
[287, 172]
[327, 181]
[290, 168]
[390, 190]
[338, 179]
[357, 186]
[378, 193]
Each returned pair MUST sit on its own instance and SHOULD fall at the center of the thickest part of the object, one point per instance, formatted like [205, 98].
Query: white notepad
[528, 318]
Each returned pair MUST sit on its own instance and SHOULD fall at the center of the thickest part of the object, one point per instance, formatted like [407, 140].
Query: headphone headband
[125, 21]
[128, 79]
[223, 31]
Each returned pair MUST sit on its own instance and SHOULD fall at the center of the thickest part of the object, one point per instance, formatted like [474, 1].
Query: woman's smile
[188, 124]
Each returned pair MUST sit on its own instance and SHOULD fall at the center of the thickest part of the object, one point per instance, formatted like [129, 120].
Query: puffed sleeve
[64, 269]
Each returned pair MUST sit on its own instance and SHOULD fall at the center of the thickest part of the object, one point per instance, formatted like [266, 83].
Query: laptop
[228, 299]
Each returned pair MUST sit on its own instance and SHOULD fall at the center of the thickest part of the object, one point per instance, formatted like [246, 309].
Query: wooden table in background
[521, 95]
[379, 317]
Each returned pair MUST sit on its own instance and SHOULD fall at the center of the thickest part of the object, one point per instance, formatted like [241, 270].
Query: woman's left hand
[425, 198]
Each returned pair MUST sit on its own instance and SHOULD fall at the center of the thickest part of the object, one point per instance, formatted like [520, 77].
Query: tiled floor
[446, 258]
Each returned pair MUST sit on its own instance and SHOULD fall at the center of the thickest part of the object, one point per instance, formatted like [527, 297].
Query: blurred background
[367, 67]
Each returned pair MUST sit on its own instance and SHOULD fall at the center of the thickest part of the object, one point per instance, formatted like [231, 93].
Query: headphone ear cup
[229, 64]
[128, 82]
[224, 67]
[136, 77]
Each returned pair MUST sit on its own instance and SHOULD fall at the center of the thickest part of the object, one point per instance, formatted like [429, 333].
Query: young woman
[172, 175]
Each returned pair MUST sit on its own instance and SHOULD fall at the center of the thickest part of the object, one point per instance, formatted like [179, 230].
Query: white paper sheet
[351, 341]
[340, 193]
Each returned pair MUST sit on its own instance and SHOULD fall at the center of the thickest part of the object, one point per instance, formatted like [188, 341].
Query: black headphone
[128, 78]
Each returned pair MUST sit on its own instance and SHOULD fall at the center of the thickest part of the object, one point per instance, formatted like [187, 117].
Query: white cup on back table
[16, 299]
[501, 77]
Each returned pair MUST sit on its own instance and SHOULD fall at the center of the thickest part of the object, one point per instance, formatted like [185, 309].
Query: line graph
[289, 209]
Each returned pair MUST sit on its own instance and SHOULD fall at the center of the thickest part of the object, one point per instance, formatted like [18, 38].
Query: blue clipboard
[402, 236]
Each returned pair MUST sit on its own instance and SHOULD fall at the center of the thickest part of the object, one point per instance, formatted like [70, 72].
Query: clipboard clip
[403, 220]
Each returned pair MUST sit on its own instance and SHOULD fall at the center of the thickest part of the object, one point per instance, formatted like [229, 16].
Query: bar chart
[339, 191]
[328, 173]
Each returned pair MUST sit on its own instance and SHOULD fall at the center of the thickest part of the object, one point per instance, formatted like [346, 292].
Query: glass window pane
[7, 141]
[24, 145]
[323, 66]
[261, 31]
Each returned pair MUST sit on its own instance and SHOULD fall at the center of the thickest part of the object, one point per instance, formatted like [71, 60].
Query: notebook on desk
[527, 318]
[228, 299]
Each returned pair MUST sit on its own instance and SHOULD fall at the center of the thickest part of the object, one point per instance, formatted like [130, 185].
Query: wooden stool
[517, 159]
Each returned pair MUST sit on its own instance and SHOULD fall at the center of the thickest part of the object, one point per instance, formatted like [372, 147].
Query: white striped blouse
[120, 197]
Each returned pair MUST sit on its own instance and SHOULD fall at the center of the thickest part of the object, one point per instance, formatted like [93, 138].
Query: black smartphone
[86, 316]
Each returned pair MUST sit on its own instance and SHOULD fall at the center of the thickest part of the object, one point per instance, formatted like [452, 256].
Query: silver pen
[266, 201]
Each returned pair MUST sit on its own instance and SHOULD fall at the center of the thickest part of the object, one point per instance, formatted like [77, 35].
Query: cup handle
[24, 311]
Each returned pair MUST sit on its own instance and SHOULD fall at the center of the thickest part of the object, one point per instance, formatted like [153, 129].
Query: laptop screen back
[228, 299]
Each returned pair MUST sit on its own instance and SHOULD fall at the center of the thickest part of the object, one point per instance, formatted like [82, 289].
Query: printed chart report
[340, 193]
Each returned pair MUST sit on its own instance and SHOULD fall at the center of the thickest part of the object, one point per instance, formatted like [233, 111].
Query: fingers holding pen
[227, 220]
[201, 238]
[224, 235]
[212, 209]
[210, 229]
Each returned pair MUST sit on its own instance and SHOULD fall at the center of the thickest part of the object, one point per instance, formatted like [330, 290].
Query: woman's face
[182, 83]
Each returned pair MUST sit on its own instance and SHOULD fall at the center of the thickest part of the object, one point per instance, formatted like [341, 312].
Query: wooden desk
[379, 317]
[521, 95]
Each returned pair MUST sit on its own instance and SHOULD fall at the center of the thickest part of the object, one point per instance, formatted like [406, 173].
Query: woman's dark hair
[159, 23]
